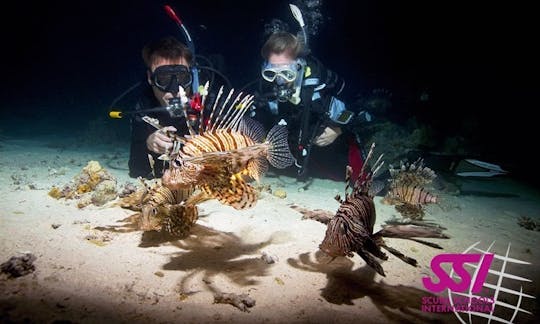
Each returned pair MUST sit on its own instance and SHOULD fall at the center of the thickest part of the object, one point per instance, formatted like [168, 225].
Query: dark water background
[64, 62]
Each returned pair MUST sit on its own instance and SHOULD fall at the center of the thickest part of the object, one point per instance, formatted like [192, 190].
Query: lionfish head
[330, 249]
[181, 177]
[149, 220]
[334, 244]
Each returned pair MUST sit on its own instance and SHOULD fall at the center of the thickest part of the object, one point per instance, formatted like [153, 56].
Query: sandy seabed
[139, 277]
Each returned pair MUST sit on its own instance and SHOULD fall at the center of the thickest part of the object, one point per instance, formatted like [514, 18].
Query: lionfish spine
[210, 119]
[203, 102]
[413, 195]
[220, 116]
[244, 104]
[159, 196]
[238, 108]
[364, 180]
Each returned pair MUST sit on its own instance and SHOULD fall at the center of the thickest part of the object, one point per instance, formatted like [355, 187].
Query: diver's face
[162, 96]
[281, 59]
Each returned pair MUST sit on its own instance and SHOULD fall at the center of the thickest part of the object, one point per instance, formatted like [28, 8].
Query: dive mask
[168, 78]
[281, 72]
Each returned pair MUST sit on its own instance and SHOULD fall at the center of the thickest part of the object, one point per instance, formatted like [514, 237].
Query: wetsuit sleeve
[138, 157]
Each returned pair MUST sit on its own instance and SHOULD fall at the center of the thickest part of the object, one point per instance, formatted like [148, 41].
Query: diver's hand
[158, 141]
[328, 136]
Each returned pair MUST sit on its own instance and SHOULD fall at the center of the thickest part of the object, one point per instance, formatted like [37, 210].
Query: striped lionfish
[407, 189]
[164, 210]
[351, 229]
[226, 150]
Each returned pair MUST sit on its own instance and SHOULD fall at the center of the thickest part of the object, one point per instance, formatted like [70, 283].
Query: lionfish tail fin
[279, 154]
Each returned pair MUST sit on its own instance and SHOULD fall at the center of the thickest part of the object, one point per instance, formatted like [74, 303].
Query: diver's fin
[486, 169]
[486, 165]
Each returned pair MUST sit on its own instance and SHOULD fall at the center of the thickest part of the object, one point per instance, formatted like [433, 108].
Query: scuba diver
[168, 62]
[298, 91]
[170, 93]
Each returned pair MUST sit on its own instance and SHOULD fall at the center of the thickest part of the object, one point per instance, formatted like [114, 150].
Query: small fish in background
[351, 229]
[227, 151]
[407, 189]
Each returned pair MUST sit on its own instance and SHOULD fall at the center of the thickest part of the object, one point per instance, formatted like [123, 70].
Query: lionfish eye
[343, 228]
[154, 211]
[177, 163]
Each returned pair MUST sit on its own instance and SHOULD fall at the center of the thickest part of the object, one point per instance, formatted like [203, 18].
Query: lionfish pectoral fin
[371, 261]
[401, 256]
[237, 194]
[198, 198]
[430, 244]
[279, 154]
[372, 247]
[332, 259]
[256, 168]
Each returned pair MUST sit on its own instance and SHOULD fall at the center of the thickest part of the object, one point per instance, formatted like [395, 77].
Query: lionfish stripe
[206, 144]
[279, 154]
[413, 195]
[217, 141]
[239, 195]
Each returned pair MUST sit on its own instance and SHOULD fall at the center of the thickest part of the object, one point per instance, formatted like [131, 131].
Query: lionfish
[227, 150]
[407, 189]
[162, 209]
[351, 229]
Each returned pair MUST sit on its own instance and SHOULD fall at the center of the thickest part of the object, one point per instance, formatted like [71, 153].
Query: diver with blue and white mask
[297, 90]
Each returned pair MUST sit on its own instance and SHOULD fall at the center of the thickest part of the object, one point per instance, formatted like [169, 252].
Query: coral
[528, 223]
[83, 188]
[280, 193]
[127, 190]
[263, 188]
[18, 266]
[93, 184]
[242, 302]
[104, 192]
[55, 193]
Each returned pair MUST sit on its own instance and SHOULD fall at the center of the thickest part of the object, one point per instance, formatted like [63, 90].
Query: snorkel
[305, 138]
[300, 19]
[175, 105]
[195, 102]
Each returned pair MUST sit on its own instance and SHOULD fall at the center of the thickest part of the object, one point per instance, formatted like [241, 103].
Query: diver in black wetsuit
[297, 90]
[169, 67]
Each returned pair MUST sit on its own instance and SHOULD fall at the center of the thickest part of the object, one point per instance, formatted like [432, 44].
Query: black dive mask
[168, 78]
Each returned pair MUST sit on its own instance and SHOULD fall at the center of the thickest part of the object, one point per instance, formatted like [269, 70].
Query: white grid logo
[496, 288]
